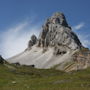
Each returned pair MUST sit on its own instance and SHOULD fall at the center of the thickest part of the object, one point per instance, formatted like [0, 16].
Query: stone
[32, 66]
[60, 50]
[14, 82]
[17, 64]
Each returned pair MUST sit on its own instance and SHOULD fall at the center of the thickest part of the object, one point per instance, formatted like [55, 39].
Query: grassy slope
[26, 78]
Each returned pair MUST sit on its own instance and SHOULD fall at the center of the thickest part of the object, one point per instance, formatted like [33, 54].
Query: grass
[27, 78]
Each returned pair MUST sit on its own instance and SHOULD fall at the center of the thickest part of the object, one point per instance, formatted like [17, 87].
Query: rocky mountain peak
[56, 32]
[57, 46]
[58, 18]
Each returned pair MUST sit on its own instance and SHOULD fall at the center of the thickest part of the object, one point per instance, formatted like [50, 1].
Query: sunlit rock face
[57, 33]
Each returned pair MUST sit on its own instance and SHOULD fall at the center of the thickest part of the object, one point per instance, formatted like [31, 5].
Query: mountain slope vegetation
[14, 77]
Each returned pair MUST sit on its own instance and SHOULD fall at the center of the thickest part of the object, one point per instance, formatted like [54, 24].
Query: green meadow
[27, 78]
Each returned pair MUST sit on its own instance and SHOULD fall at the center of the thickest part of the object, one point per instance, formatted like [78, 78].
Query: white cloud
[85, 40]
[15, 39]
[79, 26]
[83, 37]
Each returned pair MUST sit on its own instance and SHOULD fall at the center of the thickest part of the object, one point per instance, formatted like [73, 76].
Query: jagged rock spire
[33, 41]
[56, 31]
[59, 18]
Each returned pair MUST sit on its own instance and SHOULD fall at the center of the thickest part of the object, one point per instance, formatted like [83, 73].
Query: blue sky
[21, 18]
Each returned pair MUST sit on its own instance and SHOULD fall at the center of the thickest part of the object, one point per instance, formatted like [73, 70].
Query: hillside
[14, 77]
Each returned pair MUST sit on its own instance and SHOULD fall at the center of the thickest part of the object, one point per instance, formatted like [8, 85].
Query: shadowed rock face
[33, 41]
[1, 60]
[56, 32]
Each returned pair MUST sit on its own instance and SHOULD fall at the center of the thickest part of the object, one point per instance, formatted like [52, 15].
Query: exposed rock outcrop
[32, 42]
[57, 33]
[82, 58]
[1, 60]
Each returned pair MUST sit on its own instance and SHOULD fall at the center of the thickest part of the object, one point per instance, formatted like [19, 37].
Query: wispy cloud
[82, 36]
[85, 40]
[15, 39]
[79, 26]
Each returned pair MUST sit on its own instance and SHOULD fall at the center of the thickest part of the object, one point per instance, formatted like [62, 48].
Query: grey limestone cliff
[57, 33]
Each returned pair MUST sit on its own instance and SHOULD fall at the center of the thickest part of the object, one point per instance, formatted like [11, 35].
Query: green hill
[27, 78]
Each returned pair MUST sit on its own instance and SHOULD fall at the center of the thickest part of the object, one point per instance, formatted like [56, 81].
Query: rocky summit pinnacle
[56, 47]
[56, 32]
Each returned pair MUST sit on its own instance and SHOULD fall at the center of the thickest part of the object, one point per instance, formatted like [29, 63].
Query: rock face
[56, 32]
[33, 41]
[82, 58]
[1, 60]
[56, 46]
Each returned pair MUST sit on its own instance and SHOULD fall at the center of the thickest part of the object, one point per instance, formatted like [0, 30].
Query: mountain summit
[56, 46]
[57, 32]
